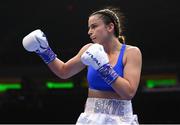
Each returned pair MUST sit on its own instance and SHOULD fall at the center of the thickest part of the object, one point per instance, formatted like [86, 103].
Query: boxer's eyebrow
[92, 25]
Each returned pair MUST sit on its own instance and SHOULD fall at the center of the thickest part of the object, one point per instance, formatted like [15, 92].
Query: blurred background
[31, 93]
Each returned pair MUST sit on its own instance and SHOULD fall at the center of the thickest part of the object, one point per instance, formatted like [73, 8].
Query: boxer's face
[98, 31]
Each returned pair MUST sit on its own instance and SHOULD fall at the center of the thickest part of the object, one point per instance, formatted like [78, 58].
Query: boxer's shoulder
[84, 48]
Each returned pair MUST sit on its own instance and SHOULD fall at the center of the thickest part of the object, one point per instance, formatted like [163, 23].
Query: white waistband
[109, 106]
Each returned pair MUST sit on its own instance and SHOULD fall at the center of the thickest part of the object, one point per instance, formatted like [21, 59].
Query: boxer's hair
[115, 16]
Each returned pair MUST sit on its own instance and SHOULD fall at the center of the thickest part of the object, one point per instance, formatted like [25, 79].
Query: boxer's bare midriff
[103, 94]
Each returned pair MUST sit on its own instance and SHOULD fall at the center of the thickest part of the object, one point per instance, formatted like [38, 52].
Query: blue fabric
[47, 56]
[94, 79]
[108, 74]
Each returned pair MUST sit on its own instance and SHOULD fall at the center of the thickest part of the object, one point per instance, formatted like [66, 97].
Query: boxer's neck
[112, 46]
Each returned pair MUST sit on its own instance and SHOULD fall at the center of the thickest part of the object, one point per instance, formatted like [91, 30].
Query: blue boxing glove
[36, 42]
[96, 57]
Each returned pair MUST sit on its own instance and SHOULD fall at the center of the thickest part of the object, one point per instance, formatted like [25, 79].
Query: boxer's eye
[93, 26]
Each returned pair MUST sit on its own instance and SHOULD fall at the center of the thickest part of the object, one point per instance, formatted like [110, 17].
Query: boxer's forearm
[123, 88]
[68, 69]
[57, 67]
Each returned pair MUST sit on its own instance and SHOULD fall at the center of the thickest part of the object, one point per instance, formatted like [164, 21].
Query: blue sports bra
[94, 79]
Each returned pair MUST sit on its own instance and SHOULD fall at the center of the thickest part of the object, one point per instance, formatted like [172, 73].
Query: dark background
[151, 25]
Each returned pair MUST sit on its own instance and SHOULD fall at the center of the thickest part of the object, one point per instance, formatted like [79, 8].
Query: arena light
[160, 83]
[59, 85]
[6, 86]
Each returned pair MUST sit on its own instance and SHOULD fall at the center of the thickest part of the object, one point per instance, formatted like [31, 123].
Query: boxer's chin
[95, 41]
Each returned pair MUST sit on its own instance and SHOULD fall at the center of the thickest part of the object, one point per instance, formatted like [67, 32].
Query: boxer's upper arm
[74, 65]
[132, 68]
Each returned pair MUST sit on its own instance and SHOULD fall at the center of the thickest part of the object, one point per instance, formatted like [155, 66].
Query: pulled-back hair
[113, 15]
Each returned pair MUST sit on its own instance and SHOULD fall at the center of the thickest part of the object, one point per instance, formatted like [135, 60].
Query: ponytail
[121, 39]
